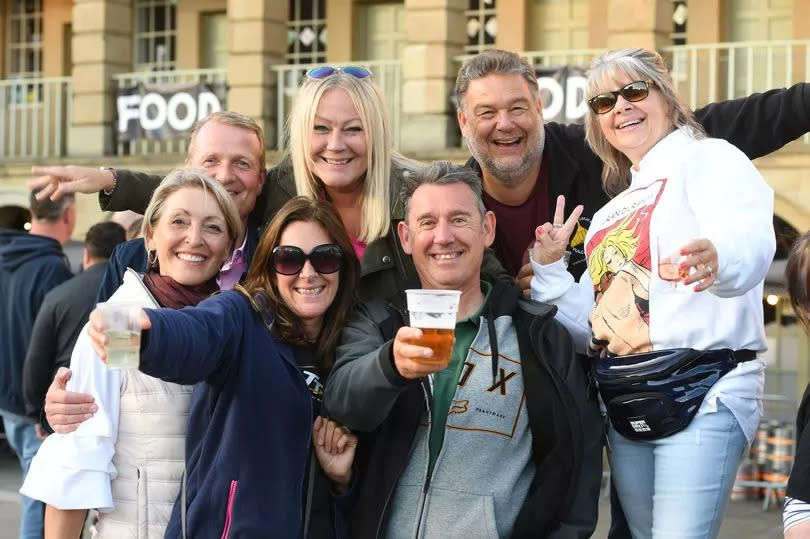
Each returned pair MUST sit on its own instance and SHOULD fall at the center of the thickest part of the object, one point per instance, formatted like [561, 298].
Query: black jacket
[758, 125]
[63, 314]
[366, 393]
[30, 266]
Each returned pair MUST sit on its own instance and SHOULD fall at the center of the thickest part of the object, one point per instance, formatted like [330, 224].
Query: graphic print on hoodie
[619, 264]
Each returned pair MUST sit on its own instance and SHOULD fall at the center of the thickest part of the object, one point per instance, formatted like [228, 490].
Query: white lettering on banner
[156, 121]
[152, 111]
[208, 103]
[127, 110]
[552, 109]
[572, 97]
[181, 124]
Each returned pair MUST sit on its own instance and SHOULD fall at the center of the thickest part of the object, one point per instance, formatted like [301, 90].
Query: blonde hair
[236, 119]
[636, 64]
[368, 101]
[197, 179]
[621, 239]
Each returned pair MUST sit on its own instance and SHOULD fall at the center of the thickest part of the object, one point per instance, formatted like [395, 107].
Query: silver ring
[708, 267]
[556, 225]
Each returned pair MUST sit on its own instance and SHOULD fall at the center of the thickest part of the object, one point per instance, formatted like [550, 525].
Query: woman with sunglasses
[673, 313]
[253, 351]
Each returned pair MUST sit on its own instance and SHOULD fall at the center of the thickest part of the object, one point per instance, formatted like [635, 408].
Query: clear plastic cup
[434, 312]
[123, 331]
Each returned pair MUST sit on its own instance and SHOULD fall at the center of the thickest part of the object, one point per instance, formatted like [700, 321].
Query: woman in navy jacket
[257, 352]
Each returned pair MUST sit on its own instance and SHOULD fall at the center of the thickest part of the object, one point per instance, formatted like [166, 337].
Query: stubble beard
[515, 174]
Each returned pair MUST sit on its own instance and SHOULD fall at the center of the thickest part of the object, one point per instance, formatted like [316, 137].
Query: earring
[151, 258]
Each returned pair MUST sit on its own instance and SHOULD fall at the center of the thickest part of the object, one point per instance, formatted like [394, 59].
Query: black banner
[165, 111]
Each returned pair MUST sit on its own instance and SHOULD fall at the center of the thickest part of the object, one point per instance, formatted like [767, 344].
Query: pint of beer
[434, 312]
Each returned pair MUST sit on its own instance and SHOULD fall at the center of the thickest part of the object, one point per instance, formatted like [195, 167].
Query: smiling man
[502, 440]
[525, 164]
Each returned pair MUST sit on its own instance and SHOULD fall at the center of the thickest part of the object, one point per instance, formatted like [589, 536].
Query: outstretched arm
[760, 123]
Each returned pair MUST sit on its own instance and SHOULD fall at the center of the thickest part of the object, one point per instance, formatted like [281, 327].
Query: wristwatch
[109, 191]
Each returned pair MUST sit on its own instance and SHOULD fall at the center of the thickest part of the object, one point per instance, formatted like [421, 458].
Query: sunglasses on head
[290, 260]
[324, 72]
[635, 91]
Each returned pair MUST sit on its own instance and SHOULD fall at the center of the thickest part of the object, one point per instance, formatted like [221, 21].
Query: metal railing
[387, 75]
[185, 76]
[34, 117]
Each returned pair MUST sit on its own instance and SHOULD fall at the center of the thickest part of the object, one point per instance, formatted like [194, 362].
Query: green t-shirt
[446, 381]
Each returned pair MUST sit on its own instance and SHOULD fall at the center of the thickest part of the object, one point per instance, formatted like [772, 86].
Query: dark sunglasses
[324, 72]
[635, 91]
[289, 260]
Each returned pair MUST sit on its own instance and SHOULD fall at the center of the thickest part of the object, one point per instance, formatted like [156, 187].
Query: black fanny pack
[656, 394]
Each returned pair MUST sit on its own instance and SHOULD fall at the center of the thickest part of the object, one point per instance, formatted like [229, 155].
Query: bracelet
[109, 191]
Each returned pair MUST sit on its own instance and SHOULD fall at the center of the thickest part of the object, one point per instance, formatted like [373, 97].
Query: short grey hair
[490, 62]
[442, 173]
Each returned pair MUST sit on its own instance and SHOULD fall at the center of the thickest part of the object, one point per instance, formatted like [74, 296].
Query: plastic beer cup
[434, 312]
[123, 330]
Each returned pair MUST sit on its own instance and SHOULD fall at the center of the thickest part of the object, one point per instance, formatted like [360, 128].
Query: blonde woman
[127, 460]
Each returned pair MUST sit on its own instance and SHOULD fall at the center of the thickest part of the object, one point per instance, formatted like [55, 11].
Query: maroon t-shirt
[514, 226]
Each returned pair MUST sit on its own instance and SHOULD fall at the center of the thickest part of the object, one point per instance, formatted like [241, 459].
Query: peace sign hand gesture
[551, 240]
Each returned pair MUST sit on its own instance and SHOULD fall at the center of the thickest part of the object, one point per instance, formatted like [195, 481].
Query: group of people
[296, 402]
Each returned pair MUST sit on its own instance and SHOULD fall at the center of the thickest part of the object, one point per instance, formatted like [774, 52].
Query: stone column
[258, 39]
[435, 33]
[102, 47]
[342, 30]
[513, 25]
[639, 23]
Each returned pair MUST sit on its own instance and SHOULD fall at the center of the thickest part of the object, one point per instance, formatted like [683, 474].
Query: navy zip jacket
[250, 423]
[30, 266]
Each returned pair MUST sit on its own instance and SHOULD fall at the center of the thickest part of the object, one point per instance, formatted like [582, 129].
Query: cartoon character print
[619, 264]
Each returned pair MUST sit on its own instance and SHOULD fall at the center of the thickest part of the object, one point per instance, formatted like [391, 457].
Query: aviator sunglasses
[635, 91]
[324, 72]
[289, 260]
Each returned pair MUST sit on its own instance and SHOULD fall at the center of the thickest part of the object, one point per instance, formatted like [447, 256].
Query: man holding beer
[498, 438]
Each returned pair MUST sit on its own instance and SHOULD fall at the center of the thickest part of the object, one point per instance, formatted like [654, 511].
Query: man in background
[31, 264]
[63, 314]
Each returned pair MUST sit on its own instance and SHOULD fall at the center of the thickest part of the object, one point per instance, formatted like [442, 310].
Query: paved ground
[744, 520]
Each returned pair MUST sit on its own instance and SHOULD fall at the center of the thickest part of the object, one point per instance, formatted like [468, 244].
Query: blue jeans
[679, 486]
[23, 440]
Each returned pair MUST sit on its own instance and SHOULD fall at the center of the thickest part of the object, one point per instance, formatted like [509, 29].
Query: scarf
[169, 293]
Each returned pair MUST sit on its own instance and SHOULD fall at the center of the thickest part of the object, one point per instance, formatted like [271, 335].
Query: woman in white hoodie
[673, 312]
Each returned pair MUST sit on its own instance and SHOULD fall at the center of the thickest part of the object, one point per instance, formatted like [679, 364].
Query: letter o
[181, 124]
[156, 122]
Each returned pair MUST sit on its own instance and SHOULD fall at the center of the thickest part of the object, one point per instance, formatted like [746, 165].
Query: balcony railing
[187, 76]
[34, 117]
[387, 74]
[710, 72]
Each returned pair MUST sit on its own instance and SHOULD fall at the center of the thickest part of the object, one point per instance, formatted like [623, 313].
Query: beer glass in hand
[434, 312]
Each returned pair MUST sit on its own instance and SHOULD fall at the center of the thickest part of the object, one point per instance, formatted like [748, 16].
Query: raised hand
[334, 447]
[99, 340]
[409, 358]
[551, 239]
[56, 182]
